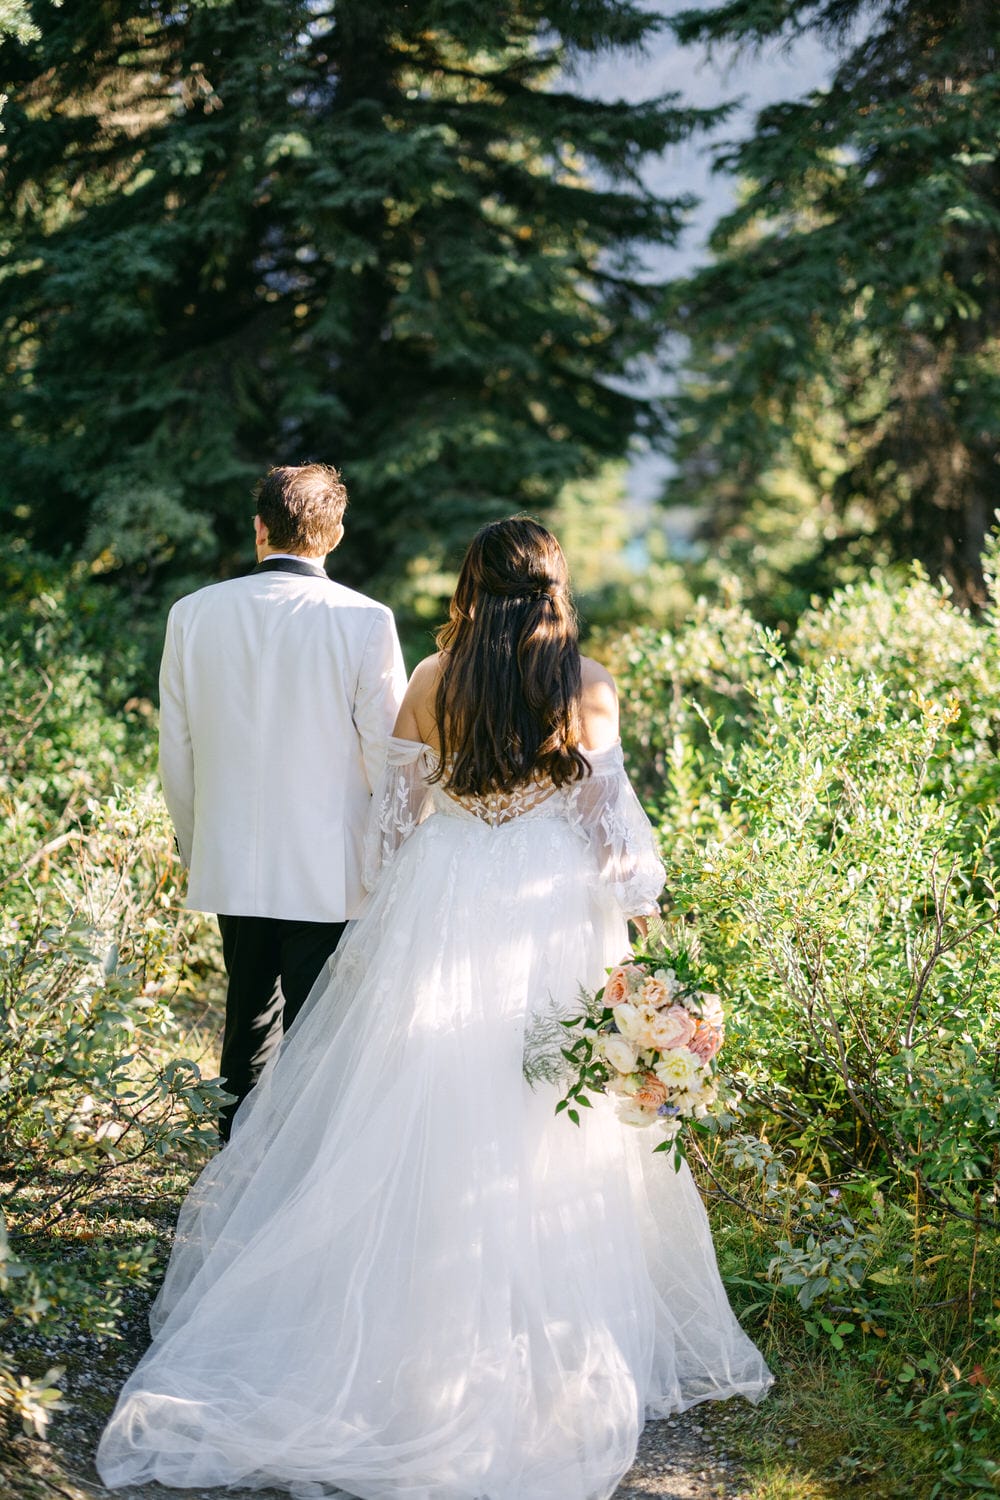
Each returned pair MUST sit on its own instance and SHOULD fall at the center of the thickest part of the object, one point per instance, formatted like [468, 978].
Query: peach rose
[616, 989]
[652, 1093]
[655, 993]
[706, 1041]
[672, 1028]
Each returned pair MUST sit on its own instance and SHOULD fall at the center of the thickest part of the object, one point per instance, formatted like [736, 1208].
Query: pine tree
[16, 20]
[860, 272]
[388, 236]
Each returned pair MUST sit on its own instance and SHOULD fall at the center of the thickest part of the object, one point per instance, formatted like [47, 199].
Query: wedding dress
[405, 1276]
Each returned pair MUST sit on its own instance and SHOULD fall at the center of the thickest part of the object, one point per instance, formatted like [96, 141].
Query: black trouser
[272, 965]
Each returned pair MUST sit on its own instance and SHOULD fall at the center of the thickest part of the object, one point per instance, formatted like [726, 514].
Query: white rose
[711, 1010]
[704, 1100]
[629, 1021]
[620, 1053]
[634, 1114]
[679, 1070]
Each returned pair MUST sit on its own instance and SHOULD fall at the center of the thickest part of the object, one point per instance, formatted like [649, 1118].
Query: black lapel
[292, 565]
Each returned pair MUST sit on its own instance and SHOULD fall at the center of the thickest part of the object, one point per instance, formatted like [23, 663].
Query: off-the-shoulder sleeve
[608, 812]
[400, 802]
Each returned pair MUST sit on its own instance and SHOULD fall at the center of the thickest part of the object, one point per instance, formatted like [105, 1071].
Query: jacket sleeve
[379, 692]
[176, 755]
[609, 815]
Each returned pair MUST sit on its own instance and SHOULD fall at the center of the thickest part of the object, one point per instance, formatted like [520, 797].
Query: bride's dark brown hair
[508, 703]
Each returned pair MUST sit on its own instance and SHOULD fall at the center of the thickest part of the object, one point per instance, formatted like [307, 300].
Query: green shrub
[92, 952]
[828, 821]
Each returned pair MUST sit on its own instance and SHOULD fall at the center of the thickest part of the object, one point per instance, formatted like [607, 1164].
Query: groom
[277, 693]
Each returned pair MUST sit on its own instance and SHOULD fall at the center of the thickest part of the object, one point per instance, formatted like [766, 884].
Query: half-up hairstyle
[508, 703]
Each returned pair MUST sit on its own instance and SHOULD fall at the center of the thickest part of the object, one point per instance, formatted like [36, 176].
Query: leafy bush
[92, 946]
[828, 820]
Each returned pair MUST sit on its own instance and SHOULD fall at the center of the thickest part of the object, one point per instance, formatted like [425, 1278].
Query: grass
[907, 1408]
[822, 1431]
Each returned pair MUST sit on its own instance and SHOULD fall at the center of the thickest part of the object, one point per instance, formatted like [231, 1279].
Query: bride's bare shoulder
[427, 673]
[415, 720]
[595, 674]
[598, 705]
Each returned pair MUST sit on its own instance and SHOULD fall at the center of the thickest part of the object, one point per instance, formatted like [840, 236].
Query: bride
[405, 1276]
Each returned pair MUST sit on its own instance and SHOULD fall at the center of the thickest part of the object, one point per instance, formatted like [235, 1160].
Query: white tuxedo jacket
[277, 694]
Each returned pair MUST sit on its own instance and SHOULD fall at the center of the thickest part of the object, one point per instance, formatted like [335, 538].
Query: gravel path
[675, 1462]
[681, 1458]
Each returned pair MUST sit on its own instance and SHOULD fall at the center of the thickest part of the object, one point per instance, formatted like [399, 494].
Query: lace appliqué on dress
[607, 813]
[497, 808]
[400, 803]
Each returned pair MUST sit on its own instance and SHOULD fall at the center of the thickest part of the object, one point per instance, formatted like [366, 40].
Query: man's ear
[260, 532]
[339, 537]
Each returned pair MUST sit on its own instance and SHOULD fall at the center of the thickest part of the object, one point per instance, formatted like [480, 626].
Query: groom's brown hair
[302, 507]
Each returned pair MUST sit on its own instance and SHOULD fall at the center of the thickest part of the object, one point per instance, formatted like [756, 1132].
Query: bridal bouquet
[650, 1038]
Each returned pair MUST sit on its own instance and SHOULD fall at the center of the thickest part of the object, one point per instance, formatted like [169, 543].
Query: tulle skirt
[405, 1276]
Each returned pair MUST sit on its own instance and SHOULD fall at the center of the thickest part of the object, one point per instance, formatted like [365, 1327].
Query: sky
[774, 73]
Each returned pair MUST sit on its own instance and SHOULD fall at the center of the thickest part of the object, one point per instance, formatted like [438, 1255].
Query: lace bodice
[498, 808]
[602, 808]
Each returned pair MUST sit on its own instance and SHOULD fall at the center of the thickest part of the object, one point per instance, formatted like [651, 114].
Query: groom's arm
[176, 755]
[380, 689]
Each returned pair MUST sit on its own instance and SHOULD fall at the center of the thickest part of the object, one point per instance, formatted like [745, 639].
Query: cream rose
[620, 1053]
[629, 1021]
[679, 1070]
[711, 1011]
[631, 1113]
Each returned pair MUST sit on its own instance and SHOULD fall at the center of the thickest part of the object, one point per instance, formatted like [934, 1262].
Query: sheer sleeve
[401, 801]
[608, 813]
